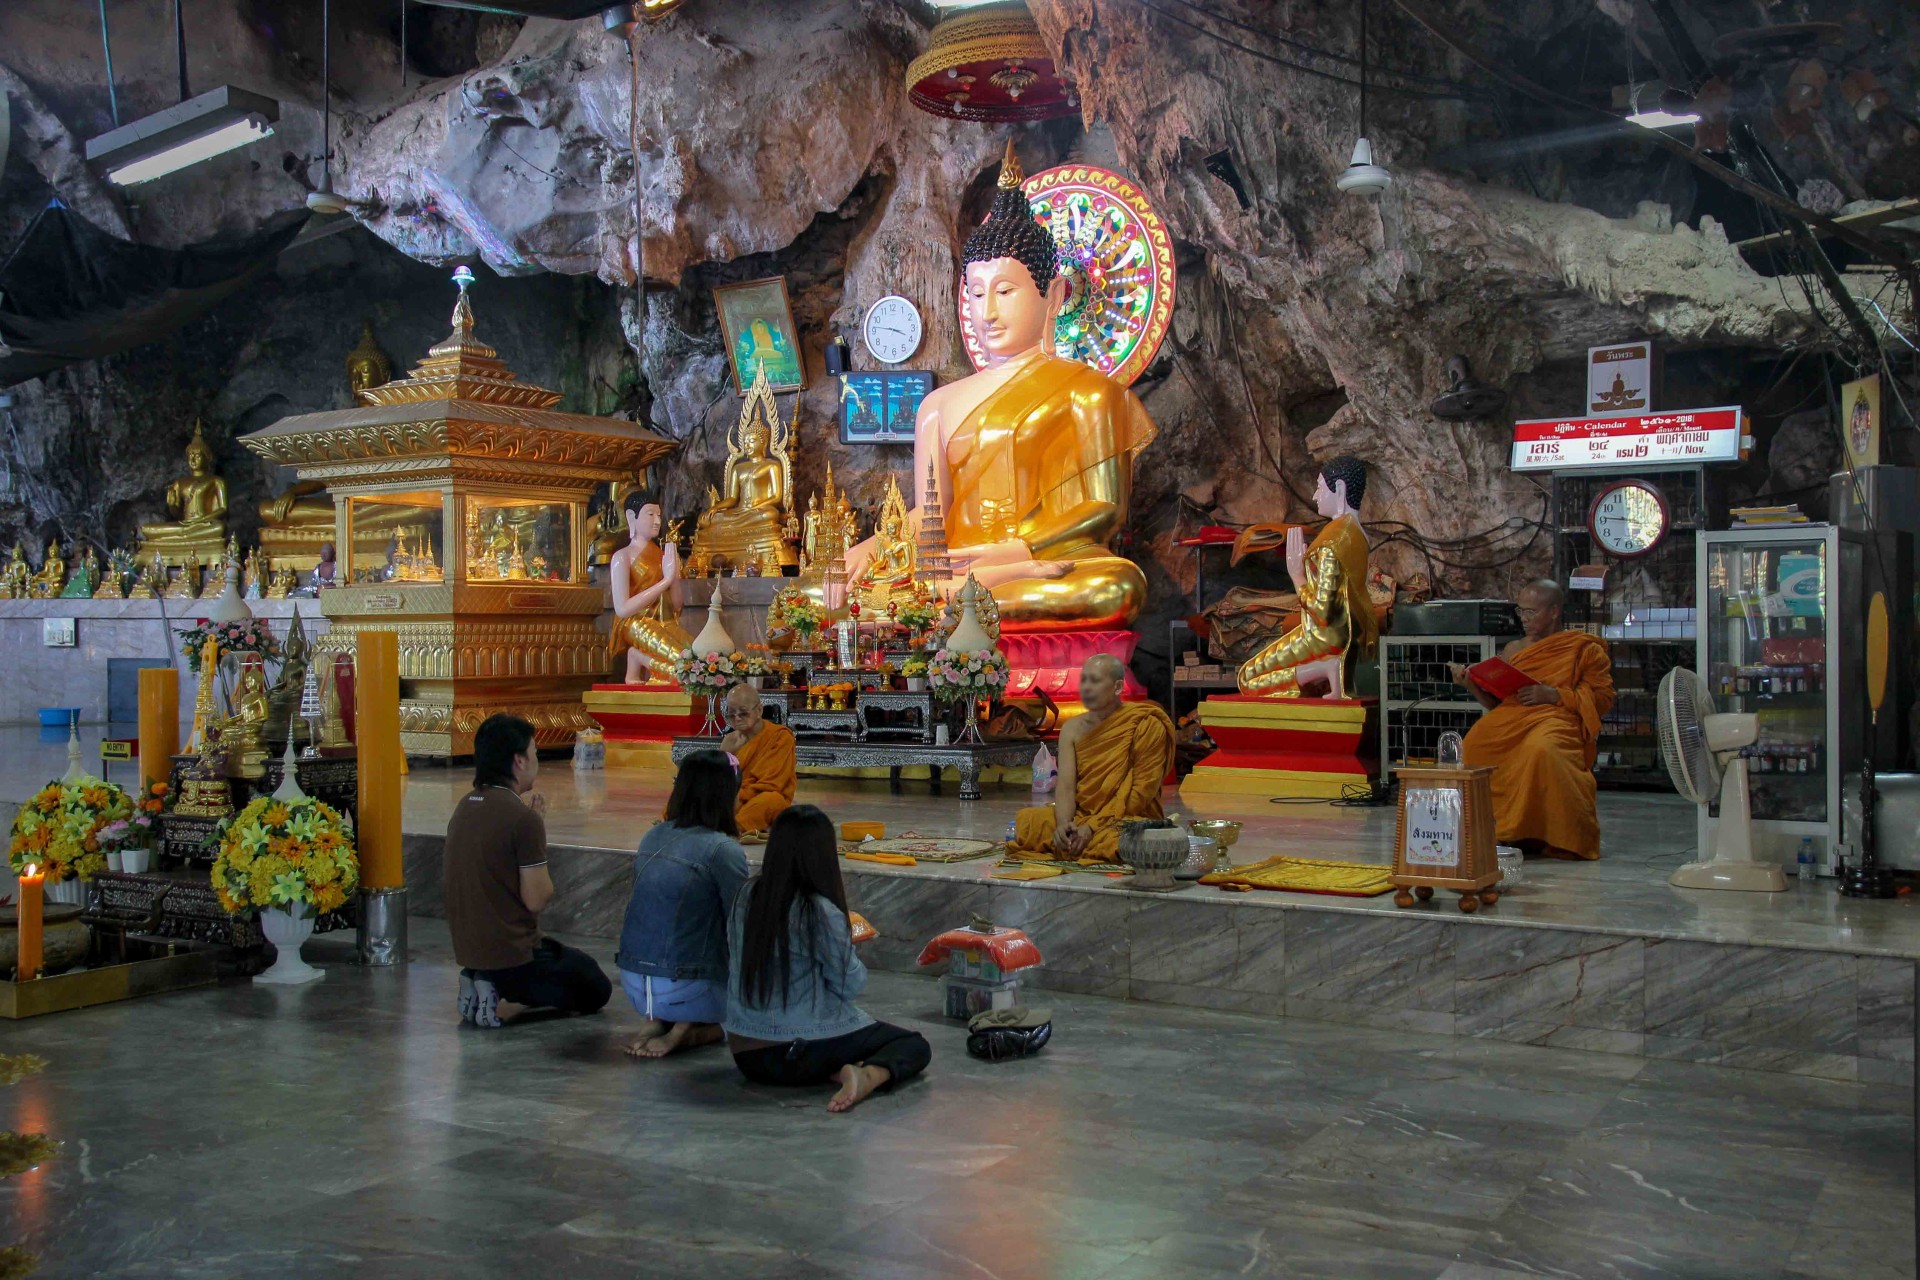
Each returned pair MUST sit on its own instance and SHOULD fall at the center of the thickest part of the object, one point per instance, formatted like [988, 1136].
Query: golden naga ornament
[196, 511]
[745, 521]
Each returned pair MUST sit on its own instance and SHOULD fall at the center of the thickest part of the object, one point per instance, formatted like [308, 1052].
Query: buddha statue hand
[1297, 555]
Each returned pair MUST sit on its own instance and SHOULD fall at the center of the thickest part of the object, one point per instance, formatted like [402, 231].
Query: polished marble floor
[1644, 837]
[352, 1128]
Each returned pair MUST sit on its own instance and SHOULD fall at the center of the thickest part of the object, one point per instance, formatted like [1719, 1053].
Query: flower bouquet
[59, 829]
[710, 676]
[291, 860]
[918, 615]
[126, 842]
[967, 676]
[798, 614]
[753, 665]
[914, 670]
[251, 636]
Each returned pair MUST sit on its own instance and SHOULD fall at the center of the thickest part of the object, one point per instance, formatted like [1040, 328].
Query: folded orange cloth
[858, 831]
[890, 859]
[862, 931]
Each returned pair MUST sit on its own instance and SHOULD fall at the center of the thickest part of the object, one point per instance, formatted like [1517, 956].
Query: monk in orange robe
[1113, 763]
[1541, 740]
[767, 769]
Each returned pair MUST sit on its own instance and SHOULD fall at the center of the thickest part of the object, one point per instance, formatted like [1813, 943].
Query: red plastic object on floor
[1011, 949]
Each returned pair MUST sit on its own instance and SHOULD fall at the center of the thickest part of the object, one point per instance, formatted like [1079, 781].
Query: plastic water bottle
[1809, 869]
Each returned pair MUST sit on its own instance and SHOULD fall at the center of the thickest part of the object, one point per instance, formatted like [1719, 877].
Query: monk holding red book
[1542, 738]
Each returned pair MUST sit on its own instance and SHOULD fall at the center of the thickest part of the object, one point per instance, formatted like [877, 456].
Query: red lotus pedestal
[1050, 662]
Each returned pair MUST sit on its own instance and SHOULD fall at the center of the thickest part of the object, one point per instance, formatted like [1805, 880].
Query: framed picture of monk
[757, 321]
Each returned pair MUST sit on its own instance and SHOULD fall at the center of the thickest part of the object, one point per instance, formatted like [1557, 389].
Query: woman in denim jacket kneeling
[793, 975]
[686, 875]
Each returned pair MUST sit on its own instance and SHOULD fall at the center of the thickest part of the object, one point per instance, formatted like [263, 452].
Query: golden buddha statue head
[199, 454]
[1013, 284]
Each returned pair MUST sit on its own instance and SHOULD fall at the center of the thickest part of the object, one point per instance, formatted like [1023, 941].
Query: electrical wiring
[1316, 51]
[1432, 95]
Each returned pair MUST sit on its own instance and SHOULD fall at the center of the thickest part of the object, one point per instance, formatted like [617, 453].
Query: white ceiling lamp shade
[1363, 177]
[198, 129]
[1652, 105]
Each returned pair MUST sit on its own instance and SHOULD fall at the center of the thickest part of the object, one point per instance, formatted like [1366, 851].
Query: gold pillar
[376, 687]
[159, 723]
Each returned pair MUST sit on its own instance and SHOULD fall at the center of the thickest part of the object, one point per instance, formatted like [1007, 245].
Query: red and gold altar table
[1297, 747]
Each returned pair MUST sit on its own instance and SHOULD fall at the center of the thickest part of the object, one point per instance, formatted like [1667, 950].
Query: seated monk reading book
[767, 769]
[1541, 737]
[1113, 762]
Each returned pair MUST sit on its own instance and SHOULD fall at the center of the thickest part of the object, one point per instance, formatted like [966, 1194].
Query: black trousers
[557, 977]
[903, 1053]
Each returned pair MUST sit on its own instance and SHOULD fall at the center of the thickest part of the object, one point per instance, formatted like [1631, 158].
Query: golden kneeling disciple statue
[1033, 454]
[746, 518]
[642, 575]
[197, 507]
[1337, 629]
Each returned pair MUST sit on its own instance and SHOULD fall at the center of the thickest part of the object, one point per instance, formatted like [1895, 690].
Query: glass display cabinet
[396, 537]
[517, 539]
[1781, 613]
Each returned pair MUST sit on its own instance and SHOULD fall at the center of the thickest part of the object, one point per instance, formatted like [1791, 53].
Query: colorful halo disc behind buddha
[1118, 262]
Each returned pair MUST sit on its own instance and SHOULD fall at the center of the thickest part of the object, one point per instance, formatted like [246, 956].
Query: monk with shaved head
[768, 766]
[1543, 738]
[1113, 761]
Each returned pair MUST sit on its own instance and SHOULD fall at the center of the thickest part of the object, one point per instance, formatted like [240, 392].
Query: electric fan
[1702, 751]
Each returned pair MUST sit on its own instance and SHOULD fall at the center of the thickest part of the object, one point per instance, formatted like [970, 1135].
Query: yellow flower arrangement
[59, 828]
[286, 854]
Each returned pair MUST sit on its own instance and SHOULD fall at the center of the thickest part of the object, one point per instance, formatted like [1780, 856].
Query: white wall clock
[1628, 518]
[892, 330]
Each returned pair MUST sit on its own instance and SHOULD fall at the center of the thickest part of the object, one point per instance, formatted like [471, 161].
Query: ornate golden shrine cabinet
[484, 573]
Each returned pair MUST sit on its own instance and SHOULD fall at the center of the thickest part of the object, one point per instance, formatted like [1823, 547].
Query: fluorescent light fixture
[198, 129]
[1652, 105]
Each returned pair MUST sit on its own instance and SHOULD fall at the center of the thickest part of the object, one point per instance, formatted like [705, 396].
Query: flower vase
[287, 932]
[970, 724]
[136, 860]
[72, 891]
[711, 727]
[916, 684]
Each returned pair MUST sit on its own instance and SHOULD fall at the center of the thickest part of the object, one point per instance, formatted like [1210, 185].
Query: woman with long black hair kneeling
[793, 974]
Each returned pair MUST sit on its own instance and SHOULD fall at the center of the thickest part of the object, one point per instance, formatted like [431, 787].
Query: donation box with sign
[1444, 837]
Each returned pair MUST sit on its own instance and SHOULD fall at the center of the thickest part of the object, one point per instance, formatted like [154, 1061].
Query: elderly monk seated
[765, 751]
[1541, 740]
[1113, 762]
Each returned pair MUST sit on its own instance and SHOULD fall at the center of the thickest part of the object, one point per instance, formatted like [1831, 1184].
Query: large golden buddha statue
[295, 524]
[1338, 629]
[888, 577]
[746, 518]
[641, 575]
[1032, 455]
[197, 507]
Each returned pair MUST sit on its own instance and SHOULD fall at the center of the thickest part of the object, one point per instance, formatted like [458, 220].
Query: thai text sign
[1433, 826]
[1683, 436]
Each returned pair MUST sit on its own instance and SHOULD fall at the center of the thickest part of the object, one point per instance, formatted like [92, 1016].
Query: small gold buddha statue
[51, 578]
[281, 580]
[149, 580]
[114, 575]
[204, 791]
[244, 732]
[888, 575]
[17, 577]
[641, 576]
[187, 585]
[1033, 453]
[197, 507]
[367, 364]
[827, 533]
[746, 518]
[1338, 628]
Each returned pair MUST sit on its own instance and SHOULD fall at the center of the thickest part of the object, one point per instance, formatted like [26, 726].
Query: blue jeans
[670, 1000]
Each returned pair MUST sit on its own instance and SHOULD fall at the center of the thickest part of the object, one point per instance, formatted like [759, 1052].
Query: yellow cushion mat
[1309, 875]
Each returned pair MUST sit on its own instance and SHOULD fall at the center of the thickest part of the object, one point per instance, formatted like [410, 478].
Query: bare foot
[649, 1029]
[856, 1084]
[684, 1035]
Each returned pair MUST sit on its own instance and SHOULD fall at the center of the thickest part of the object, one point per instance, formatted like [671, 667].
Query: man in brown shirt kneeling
[497, 884]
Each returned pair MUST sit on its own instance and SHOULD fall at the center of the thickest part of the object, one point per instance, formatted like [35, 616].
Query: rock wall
[776, 140]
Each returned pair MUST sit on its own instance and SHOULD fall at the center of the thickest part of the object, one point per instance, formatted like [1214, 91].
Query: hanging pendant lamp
[325, 199]
[1363, 177]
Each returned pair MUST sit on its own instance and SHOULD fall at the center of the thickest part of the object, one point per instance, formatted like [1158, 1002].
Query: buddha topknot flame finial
[1010, 175]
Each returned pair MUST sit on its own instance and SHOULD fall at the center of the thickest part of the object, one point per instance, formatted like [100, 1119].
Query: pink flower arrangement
[968, 673]
[251, 636]
[708, 673]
